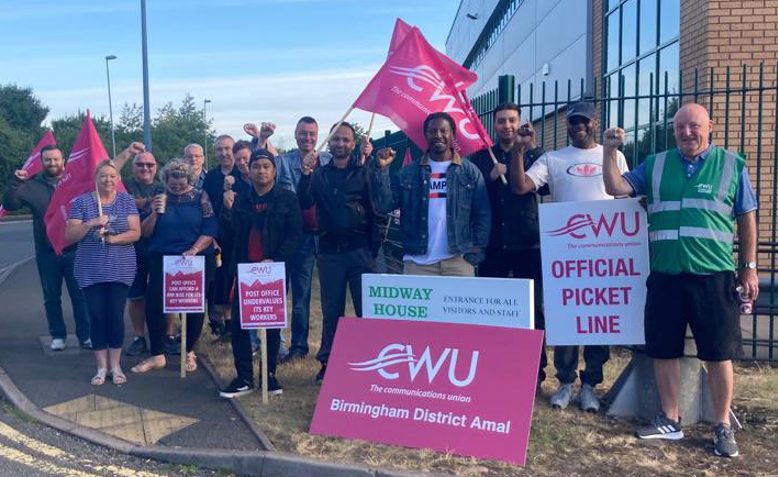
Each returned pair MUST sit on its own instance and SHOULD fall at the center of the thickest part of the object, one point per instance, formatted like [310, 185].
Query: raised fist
[229, 181]
[385, 157]
[613, 138]
[21, 174]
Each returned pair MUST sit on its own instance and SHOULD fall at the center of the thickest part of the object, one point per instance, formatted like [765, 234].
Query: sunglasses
[147, 165]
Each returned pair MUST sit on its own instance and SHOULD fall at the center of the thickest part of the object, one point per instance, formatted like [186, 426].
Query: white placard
[595, 265]
[505, 302]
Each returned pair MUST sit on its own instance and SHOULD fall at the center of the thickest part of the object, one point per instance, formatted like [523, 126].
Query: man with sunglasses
[573, 173]
[143, 186]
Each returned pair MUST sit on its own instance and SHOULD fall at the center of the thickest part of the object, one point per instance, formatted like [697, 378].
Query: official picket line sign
[183, 284]
[262, 295]
[503, 302]
[595, 266]
[464, 389]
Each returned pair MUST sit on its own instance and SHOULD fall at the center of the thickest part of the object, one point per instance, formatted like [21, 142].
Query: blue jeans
[301, 273]
[106, 309]
[52, 270]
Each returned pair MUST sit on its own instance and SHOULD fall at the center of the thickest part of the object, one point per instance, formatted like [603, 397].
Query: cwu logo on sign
[581, 226]
[393, 359]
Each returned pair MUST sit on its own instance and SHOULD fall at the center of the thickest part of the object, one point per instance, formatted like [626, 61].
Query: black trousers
[525, 264]
[336, 272]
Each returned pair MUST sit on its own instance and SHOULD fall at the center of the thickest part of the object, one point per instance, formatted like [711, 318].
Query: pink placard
[464, 389]
[262, 295]
[183, 285]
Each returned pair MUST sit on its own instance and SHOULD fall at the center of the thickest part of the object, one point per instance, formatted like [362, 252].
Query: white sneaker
[561, 398]
[57, 344]
[588, 399]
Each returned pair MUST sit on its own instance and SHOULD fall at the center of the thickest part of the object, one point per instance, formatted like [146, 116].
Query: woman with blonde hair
[182, 222]
[105, 223]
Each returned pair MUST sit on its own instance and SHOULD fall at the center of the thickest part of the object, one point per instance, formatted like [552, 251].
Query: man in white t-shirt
[442, 197]
[572, 174]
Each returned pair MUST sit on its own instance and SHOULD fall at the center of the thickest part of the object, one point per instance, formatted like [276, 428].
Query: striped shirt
[95, 261]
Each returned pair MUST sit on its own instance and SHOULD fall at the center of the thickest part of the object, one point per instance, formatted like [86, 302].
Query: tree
[66, 131]
[175, 128]
[21, 116]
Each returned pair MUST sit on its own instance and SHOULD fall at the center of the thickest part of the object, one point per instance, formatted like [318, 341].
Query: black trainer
[273, 386]
[661, 427]
[137, 347]
[237, 387]
[724, 444]
[172, 347]
[320, 375]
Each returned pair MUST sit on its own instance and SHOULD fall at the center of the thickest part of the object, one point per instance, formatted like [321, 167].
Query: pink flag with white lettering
[33, 163]
[413, 83]
[462, 76]
[78, 178]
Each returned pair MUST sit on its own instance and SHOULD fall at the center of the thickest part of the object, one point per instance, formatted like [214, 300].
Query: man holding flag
[35, 192]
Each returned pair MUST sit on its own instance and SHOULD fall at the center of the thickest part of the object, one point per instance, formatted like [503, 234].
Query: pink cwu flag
[33, 163]
[415, 82]
[78, 178]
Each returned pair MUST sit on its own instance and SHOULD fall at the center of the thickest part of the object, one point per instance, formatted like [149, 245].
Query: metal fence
[743, 103]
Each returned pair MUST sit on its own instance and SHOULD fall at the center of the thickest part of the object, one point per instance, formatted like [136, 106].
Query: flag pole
[99, 211]
[329, 136]
[494, 160]
[367, 137]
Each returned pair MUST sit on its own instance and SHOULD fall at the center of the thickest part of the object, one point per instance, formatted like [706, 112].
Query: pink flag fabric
[463, 77]
[33, 163]
[415, 82]
[78, 178]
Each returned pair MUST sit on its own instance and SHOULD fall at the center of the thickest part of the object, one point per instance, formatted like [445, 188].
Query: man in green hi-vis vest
[695, 195]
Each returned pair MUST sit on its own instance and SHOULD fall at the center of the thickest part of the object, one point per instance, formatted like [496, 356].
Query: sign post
[183, 291]
[595, 266]
[262, 295]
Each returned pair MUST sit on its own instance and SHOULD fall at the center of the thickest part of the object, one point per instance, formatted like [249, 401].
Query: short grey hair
[176, 169]
[192, 146]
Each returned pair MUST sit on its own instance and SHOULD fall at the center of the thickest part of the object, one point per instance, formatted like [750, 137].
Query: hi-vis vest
[691, 221]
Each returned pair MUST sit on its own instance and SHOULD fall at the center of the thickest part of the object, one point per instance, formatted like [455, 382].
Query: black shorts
[141, 282]
[707, 303]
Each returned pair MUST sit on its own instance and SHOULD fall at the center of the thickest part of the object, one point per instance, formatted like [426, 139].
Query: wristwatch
[748, 265]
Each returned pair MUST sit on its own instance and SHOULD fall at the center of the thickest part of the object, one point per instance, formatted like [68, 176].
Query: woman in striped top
[105, 264]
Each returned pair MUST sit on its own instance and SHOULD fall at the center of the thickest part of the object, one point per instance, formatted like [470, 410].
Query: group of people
[459, 216]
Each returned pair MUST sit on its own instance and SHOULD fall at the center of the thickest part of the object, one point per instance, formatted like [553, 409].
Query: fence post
[506, 85]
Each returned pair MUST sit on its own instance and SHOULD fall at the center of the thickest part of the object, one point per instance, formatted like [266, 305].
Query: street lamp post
[146, 102]
[110, 103]
[205, 120]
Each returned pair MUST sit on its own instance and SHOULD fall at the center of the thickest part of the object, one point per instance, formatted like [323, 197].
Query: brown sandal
[191, 362]
[147, 365]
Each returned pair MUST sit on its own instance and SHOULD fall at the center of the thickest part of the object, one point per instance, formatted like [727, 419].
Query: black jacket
[282, 230]
[36, 194]
[514, 217]
[345, 212]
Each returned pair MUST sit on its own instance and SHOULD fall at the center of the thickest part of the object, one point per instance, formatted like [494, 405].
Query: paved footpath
[157, 415]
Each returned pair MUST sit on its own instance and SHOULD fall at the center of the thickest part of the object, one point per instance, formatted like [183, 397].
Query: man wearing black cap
[573, 173]
[265, 224]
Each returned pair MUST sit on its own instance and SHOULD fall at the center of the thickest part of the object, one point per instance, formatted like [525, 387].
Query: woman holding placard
[266, 225]
[105, 223]
[182, 222]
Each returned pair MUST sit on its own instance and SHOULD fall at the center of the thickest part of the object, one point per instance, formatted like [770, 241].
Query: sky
[256, 60]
